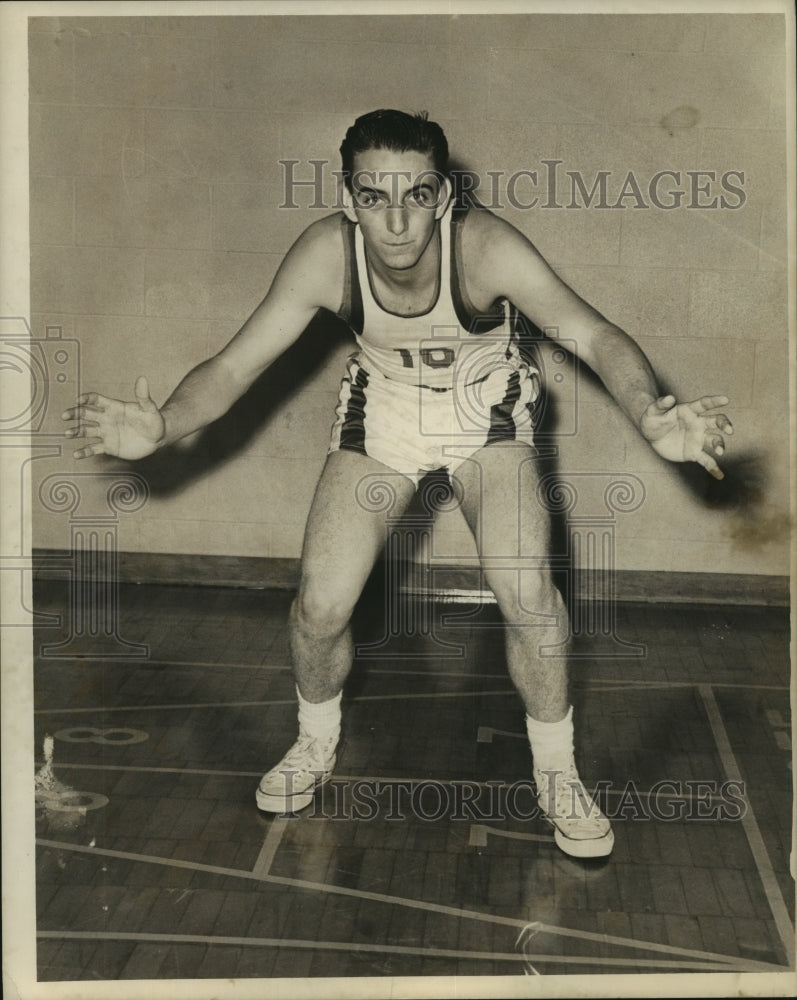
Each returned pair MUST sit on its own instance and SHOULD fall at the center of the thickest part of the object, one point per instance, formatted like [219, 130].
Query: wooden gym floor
[424, 856]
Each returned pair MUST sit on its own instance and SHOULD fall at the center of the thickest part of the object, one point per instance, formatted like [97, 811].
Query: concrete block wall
[156, 229]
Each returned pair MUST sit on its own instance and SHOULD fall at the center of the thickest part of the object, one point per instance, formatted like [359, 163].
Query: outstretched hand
[687, 432]
[128, 430]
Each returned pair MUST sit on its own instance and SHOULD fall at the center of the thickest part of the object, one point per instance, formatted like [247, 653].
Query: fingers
[143, 397]
[92, 402]
[716, 444]
[78, 413]
[662, 404]
[89, 451]
[713, 422]
[718, 423]
[709, 465]
[92, 399]
[713, 444]
[81, 430]
[706, 403]
[97, 446]
[89, 405]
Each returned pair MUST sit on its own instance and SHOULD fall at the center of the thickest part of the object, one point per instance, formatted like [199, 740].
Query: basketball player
[428, 289]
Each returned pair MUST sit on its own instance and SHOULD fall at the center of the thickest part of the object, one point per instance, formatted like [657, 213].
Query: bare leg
[345, 533]
[343, 538]
[512, 532]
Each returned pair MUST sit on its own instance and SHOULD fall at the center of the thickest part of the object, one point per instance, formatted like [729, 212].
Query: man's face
[397, 199]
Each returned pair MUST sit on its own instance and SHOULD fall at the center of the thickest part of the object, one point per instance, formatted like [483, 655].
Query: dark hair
[396, 131]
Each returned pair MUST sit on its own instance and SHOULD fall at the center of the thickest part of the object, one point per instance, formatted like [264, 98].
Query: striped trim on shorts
[416, 429]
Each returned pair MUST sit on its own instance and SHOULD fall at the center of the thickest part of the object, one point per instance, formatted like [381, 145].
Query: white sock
[551, 742]
[321, 720]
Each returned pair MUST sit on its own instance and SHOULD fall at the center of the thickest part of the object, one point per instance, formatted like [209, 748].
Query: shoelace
[306, 750]
[572, 800]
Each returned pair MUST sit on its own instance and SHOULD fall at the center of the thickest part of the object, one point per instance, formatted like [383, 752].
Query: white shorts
[416, 429]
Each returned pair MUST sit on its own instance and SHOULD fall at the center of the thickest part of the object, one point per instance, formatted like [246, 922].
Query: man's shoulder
[487, 244]
[482, 228]
[317, 260]
[323, 236]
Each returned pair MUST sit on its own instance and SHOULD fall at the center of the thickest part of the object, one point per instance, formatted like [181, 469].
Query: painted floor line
[379, 949]
[107, 709]
[430, 696]
[750, 826]
[210, 772]
[270, 846]
[374, 670]
[485, 734]
[141, 664]
[729, 962]
[478, 835]
[622, 685]
[618, 685]
[378, 670]
[353, 778]
[685, 797]
[646, 963]
[285, 943]
[420, 696]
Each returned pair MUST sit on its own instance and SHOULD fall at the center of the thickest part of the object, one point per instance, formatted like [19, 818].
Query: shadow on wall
[745, 492]
[169, 471]
[745, 496]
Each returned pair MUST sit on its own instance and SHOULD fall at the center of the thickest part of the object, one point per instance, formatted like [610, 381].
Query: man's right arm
[309, 277]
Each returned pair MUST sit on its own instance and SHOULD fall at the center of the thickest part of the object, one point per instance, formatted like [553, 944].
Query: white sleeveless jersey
[449, 344]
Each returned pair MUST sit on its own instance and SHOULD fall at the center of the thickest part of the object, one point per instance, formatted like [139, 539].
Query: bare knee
[322, 610]
[525, 595]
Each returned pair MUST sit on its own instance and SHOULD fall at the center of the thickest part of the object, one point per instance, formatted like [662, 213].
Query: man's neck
[421, 275]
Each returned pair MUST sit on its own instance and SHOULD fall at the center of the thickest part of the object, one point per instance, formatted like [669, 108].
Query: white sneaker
[580, 828]
[291, 784]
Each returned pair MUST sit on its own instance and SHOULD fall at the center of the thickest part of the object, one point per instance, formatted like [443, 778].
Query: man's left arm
[679, 432]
